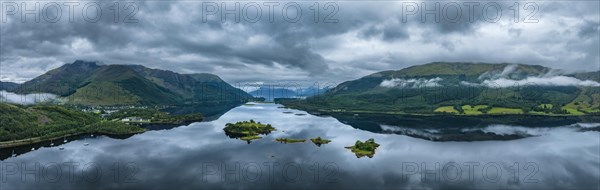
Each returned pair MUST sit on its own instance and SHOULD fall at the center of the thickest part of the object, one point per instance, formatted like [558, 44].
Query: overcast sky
[359, 38]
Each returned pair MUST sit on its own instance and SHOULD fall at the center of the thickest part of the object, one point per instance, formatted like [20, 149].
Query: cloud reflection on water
[177, 158]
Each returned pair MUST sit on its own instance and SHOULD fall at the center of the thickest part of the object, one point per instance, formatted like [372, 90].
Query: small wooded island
[364, 149]
[319, 141]
[247, 130]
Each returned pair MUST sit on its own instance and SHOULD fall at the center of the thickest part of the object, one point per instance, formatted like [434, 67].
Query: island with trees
[247, 130]
[366, 148]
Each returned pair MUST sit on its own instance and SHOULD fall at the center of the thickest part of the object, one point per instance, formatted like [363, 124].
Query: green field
[573, 111]
[446, 109]
[476, 110]
[496, 110]
[473, 110]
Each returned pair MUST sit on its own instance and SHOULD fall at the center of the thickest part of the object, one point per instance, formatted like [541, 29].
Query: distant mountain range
[271, 93]
[8, 86]
[464, 88]
[93, 83]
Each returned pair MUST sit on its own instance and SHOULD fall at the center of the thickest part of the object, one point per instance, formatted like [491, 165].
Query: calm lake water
[200, 155]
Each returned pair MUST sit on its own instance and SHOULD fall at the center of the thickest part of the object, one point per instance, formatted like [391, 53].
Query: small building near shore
[135, 119]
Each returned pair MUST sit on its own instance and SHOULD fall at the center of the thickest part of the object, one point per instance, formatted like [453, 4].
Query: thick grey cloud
[359, 39]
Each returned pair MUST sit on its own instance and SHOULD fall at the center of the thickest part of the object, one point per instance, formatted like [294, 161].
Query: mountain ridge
[464, 71]
[94, 83]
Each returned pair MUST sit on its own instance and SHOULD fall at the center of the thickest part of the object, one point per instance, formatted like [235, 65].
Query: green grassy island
[247, 130]
[319, 141]
[364, 149]
[286, 140]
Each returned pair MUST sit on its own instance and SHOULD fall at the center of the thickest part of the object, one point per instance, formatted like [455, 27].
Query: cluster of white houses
[106, 111]
[134, 119]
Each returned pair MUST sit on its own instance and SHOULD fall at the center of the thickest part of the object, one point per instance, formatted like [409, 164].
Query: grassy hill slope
[89, 83]
[423, 89]
[46, 122]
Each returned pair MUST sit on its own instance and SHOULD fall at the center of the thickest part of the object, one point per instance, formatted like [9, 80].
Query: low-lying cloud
[411, 83]
[540, 81]
[496, 75]
[497, 79]
[26, 99]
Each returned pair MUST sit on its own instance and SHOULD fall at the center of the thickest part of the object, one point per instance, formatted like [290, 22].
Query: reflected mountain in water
[210, 112]
[460, 128]
[19, 150]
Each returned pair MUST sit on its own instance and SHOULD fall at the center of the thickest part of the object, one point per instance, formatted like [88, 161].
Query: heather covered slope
[62, 81]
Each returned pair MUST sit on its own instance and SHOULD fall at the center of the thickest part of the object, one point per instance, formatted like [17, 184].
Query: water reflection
[201, 156]
[464, 128]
